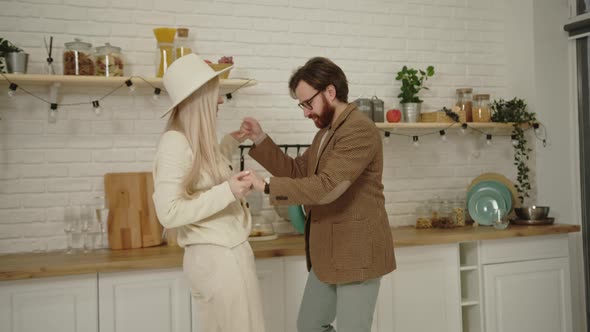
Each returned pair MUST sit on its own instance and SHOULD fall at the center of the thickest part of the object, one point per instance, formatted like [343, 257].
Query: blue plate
[484, 204]
[497, 186]
[297, 217]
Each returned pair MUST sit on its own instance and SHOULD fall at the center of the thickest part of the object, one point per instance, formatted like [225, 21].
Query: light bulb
[488, 139]
[415, 142]
[12, 90]
[514, 140]
[130, 86]
[52, 117]
[96, 108]
[156, 95]
[463, 129]
[443, 135]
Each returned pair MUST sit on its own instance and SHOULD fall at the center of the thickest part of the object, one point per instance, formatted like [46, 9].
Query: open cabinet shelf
[226, 85]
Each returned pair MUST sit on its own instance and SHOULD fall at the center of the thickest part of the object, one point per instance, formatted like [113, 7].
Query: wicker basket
[440, 116]
[221, 66]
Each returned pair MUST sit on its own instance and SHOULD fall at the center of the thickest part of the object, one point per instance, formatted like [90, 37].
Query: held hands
[256, 180]
[251, 129]
[240, 184]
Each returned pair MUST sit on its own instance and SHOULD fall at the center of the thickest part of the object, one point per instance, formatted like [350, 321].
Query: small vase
[411, 112]
[17, 62]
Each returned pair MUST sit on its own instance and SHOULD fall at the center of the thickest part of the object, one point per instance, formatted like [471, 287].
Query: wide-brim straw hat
[185, 76]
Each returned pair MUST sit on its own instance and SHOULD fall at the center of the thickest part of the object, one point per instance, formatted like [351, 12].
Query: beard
[326, 115]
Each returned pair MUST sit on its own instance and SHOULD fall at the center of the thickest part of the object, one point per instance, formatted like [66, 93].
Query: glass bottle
[109, 61]
[465, 102]
[182, 43]
[165, 49]
[458, 212]
[481, 109]
[78, 59]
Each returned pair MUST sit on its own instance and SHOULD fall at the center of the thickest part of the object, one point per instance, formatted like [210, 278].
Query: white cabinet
[529, 295]
[65, 304]
[295, 280]
[148, 300]
[271, 278]
[422, 294]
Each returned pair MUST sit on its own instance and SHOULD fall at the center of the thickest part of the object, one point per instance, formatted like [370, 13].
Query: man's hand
[251, 128]
[256, 180]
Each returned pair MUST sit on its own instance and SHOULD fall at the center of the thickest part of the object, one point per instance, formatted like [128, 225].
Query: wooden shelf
[227, 85]
[443, 125]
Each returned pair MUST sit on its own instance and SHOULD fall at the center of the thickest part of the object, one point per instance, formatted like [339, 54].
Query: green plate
[484, 204]
[497, 186]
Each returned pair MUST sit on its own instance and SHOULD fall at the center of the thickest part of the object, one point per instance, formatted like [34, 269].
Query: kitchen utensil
[497, 186]
[502, 179]
[532, 212]
[132, 221]
[546, 221]
[297, 217]
[483, 206]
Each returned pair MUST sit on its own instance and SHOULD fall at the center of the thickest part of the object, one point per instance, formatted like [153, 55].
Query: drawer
[524, 248]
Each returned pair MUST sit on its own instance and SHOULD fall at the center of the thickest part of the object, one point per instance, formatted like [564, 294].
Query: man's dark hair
[320, 73]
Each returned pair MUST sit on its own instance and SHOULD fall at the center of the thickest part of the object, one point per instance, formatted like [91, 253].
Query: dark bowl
[532, 212]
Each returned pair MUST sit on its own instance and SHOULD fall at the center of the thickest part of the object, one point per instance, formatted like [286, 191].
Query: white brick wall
[44, 167]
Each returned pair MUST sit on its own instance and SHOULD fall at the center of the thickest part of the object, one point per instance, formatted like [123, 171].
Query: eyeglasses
[306, 104]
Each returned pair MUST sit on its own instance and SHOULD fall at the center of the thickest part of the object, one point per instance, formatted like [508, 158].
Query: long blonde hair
[196, 118]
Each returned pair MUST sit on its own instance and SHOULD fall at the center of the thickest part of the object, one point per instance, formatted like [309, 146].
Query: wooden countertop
[31, 265]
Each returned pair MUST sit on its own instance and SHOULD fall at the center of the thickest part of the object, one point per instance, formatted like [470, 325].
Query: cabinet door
[65, 304]
[148, 300]
[423, 293]
[271, 278]
[528, 296]
[295, 280]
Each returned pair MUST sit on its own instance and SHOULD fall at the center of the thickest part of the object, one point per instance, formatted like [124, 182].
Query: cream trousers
[224, 285]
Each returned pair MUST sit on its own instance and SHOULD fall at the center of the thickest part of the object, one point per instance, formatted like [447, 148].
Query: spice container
[458, 212]
[378, 109]
[182, 43]
[481, 108]
[465, 102]
[109, 61]
[78, 58]
[423, 217]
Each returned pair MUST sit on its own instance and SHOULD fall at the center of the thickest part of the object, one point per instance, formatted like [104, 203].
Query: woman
[196, 193]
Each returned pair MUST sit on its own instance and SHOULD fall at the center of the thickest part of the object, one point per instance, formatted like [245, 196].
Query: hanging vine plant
[515, 111]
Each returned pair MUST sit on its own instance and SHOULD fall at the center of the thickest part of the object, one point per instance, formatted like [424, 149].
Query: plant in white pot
[412, 82]
[15, 60]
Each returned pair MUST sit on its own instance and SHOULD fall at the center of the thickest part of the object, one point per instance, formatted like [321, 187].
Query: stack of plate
[489, 194]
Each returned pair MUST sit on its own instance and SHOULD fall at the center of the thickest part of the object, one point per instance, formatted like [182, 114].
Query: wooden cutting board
[132, 219]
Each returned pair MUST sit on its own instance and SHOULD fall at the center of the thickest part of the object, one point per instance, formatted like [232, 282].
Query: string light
[489, 139]
[52, 113]
[387, 138]
[96, 107]
[12, 90]
[156, 95]
[514, 140]
[130, 86]
[415, 141]
[463, 128]
[443, 135]
[536, 127]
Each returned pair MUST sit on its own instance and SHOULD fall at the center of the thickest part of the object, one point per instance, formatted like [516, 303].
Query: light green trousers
[351, 304]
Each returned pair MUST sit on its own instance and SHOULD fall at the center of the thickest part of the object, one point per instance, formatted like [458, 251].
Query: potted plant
[515, 111]
[412, 82]
[15, 60]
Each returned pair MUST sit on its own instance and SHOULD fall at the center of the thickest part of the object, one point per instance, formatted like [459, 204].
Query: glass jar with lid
[458, 211]
[444, 216]
[423, 217]
[464, 102]
[434, 209]
[109, 61]
[481, 108]
[78, 59]
[182, 43]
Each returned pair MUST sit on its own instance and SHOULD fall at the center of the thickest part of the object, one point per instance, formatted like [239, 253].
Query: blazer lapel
[330, 134]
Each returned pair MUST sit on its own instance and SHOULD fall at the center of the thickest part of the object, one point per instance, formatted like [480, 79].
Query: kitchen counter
[38, 265]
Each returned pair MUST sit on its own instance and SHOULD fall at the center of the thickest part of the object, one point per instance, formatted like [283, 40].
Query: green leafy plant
[7, 47]
[412, 82]
[515, 111]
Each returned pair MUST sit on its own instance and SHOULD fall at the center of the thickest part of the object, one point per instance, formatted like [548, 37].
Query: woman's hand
[240, 184]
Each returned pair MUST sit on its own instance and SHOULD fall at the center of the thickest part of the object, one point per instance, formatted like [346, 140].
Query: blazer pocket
[352, 247]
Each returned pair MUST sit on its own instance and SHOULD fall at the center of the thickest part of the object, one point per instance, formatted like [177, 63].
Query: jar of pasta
[78, 59]
[423, 217]
[481, 109]
[464, 102]
[109, 61]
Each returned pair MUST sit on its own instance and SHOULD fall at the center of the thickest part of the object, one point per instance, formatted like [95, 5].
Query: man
[348, 240]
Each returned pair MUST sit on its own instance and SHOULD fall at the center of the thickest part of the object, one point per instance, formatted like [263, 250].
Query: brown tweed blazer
[347, 233]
